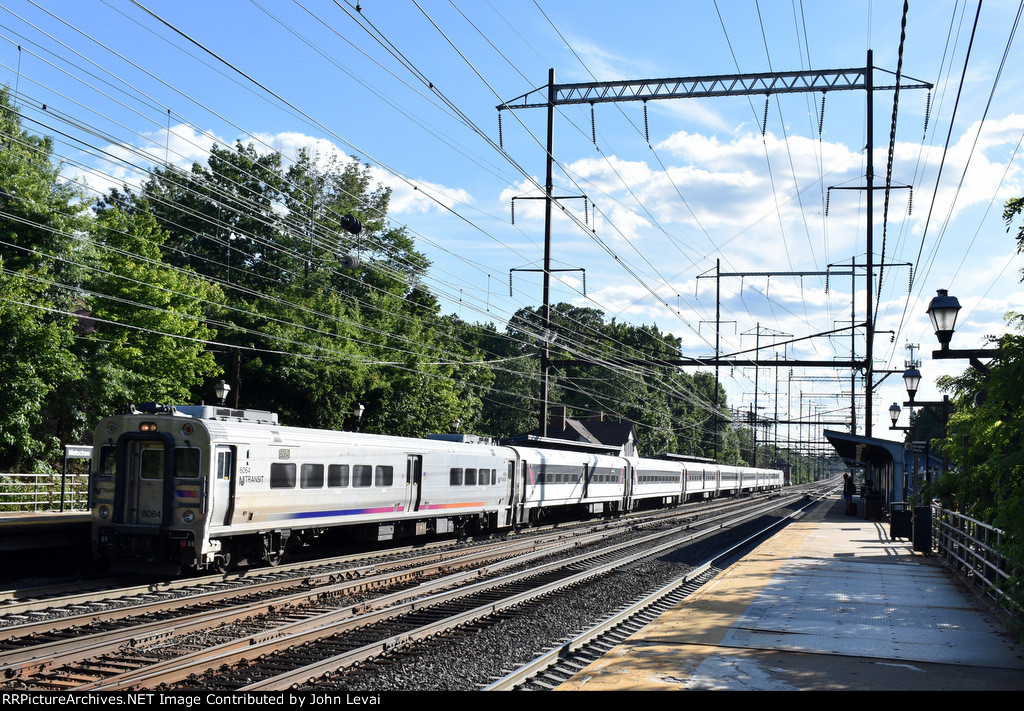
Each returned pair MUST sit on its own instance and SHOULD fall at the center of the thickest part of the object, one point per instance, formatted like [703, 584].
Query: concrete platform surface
[829, 603]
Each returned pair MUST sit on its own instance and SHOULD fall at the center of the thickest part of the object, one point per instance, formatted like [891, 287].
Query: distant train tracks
[278, 628]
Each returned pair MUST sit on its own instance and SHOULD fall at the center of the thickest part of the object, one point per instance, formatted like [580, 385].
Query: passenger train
[181, 488]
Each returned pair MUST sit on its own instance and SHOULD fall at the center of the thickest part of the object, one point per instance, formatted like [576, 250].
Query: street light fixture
[912, 379]
[222, 389]
[943, 310]
[359, 410]
[894, 413]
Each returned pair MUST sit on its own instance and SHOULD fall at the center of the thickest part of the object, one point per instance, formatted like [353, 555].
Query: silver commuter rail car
[177, 488]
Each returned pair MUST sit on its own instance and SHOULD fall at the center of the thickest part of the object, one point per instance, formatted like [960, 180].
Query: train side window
[186, 462]
[455, 476]
[224, 465]
[362, 475]
[470, 477]
[385, 475]
[311, 476]
[337, 475]
[282, 475]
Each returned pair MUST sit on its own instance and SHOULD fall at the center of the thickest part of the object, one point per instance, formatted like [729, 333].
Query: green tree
[221, 217]
[42, 221]
[151, 339]
[306, 334]
[618, 369]
[983, 444]
[512, 404]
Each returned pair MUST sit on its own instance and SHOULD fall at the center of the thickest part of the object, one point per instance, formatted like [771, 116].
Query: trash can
[900, 521]
[923, 529]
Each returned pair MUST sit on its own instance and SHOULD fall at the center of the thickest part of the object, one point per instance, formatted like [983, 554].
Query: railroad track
[299, 631]
[559, 664]
[67, 598]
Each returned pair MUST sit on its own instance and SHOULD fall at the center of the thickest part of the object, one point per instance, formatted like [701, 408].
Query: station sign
[77, 451]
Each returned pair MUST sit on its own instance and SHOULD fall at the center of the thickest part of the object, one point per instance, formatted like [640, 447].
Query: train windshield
[108, 460]
[186, 462]
[151, 461]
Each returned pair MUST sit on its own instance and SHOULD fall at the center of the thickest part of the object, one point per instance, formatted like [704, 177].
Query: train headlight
[104, 512]
[188, 516]
[147, 427]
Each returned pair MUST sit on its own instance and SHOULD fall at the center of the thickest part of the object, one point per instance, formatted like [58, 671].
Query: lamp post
[894, 414]
[359, 410]
[912, 379]
[943, 310]
[222, 389]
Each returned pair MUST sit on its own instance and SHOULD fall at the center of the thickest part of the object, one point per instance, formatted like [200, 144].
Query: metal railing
[44, 492]
[973, 548]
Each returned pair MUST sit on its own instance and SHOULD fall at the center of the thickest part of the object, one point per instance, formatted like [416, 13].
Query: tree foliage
[40, 252]
[607, 367]
[983, 444]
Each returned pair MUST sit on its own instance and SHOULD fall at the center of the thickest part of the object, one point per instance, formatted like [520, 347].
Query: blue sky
[411, 89]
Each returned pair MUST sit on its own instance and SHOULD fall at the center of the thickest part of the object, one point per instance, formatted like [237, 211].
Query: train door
[515, 494]
[223, 507]
[523, 482]
[413, 481]
[628, 479]
[146, 471]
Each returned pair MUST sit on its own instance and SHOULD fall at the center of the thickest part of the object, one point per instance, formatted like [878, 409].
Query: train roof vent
[529, 440]
[463, 438]
[212, 412]
[684, 458]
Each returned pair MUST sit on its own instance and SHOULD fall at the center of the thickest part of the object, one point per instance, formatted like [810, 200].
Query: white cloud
[129, 164]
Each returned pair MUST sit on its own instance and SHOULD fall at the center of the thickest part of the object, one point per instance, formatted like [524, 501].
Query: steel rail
[289, 679]
[39, 658]
[575, 646]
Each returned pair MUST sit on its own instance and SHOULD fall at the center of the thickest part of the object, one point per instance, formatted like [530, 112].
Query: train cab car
[157, 485]
[194, 487]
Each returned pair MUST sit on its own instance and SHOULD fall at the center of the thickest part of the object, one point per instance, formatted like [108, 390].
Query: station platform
[829, 603]
[29, 531]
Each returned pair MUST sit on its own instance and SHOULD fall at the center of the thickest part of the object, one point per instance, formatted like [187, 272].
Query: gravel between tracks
[474, 658]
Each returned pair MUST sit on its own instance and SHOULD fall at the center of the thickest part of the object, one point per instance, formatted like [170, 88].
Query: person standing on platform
[849, 489]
